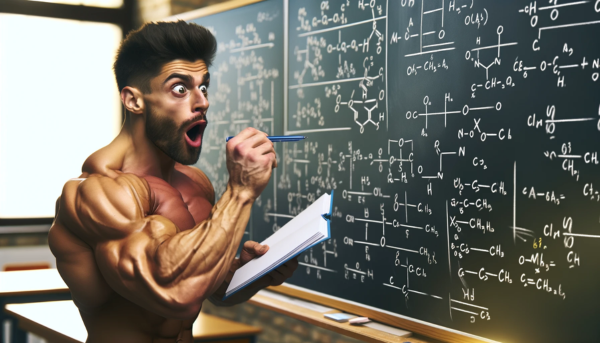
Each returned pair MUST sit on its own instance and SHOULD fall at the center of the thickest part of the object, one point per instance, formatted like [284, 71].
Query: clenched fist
[250, 160]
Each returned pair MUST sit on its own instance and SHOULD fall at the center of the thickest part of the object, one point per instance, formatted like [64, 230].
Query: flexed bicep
[135, 269]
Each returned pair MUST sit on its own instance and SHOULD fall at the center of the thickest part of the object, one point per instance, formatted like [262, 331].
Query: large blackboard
[462, 140]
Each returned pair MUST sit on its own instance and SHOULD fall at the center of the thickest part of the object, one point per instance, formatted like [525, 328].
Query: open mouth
[193, 135]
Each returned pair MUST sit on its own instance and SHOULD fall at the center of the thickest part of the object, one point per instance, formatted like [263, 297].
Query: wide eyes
[179, 89]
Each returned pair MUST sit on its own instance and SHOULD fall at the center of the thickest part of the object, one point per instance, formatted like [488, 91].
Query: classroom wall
[152, 10]
[26, 255]
[24, 239]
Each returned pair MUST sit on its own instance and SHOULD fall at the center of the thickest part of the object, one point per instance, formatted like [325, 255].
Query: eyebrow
[187, 78]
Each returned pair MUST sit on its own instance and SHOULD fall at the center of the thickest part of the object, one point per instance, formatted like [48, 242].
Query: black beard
[165, 134]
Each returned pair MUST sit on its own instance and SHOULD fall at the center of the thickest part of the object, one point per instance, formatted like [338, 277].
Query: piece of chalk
[359, 320]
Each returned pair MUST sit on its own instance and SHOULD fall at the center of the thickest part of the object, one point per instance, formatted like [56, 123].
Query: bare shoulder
[108, 160]
[199, 179]
[97, 206]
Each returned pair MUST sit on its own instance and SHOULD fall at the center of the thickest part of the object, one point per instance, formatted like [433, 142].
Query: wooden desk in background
[24, 287]
[60, 322]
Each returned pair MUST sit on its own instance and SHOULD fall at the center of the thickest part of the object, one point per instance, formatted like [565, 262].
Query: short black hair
[144, 51]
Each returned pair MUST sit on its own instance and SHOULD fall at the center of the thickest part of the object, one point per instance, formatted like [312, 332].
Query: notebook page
[316, 209]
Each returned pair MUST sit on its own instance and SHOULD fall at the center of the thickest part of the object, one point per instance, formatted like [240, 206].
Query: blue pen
[278, 138]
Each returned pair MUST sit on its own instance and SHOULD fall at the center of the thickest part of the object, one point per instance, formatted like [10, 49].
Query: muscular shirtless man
[137, 237]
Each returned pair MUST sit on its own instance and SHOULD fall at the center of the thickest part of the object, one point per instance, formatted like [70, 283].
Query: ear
[132, 99]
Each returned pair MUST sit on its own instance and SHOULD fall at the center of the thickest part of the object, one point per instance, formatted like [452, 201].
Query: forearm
[205, 253]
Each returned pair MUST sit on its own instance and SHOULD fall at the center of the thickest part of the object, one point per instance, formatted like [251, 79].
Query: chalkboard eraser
[339, 317]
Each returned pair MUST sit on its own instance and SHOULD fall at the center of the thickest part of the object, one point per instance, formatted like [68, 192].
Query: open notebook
[306, 229]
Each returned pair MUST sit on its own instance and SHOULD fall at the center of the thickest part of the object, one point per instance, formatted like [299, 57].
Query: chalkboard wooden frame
[316, 317]
[210, 10]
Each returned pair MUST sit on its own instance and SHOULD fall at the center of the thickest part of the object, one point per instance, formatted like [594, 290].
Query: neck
[141, 156]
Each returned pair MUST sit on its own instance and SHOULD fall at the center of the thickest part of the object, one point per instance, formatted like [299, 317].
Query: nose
[199, 102]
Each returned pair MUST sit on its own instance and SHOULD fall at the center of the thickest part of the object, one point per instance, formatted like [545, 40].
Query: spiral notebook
[307, 229]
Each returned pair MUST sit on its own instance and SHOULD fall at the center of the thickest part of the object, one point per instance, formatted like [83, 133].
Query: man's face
[176, 109]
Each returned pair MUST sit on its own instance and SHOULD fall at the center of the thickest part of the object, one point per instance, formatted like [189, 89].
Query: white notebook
[306, 229]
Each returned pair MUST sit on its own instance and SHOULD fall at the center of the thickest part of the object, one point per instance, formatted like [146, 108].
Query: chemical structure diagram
[496, 61]
[320, 50]
[372, 103]
[464, 111]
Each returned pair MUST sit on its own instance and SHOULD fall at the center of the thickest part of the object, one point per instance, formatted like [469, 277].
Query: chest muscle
[184, 205]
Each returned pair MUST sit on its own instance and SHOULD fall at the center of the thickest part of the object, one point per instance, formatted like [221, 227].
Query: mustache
[195, 119]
